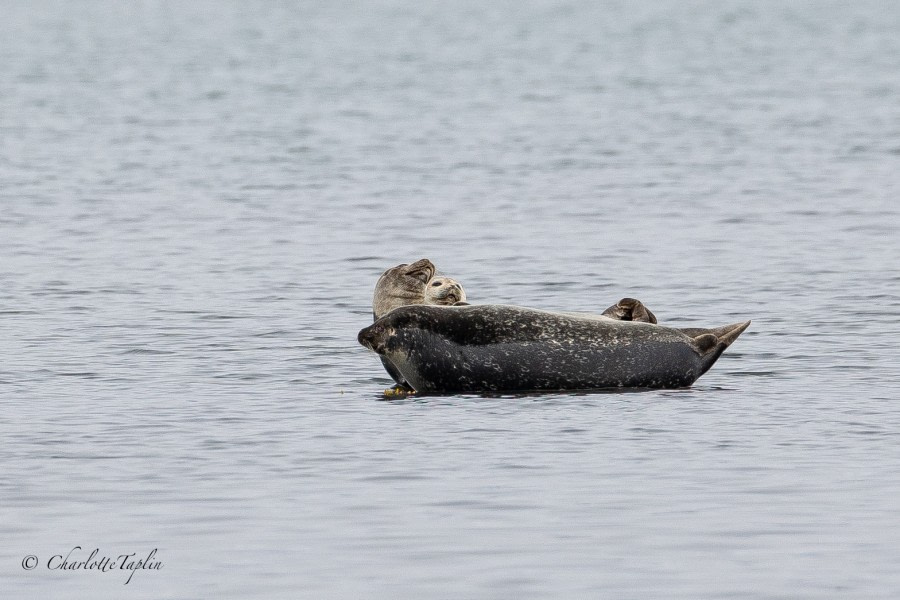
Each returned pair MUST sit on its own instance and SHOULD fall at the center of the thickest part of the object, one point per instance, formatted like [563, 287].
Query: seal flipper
[705, 342]
[711, 343]
[630, 309]
[395, 374]
[725, 333]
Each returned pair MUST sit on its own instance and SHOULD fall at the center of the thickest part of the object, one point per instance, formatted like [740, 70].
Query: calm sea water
[197, 199]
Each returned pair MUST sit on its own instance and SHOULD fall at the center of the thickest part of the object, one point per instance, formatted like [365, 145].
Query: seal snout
[373, 337]
[366, 337]
[451, 294]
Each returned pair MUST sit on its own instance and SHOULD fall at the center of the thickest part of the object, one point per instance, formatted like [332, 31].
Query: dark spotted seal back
[509, 348]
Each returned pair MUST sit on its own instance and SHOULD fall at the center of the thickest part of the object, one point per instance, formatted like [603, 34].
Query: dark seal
[492, 348]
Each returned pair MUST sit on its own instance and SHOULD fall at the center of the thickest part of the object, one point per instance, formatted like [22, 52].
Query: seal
[493, 348]
[408, 284]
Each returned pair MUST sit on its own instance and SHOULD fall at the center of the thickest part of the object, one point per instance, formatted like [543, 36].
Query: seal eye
[436, 284]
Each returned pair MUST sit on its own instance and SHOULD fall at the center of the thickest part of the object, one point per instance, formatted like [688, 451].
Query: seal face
[444, 291]
[511, 348]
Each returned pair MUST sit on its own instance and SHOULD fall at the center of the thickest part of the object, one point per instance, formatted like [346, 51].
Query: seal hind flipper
[715, 341]
[728, 333]
[705, 342]
[725, 333]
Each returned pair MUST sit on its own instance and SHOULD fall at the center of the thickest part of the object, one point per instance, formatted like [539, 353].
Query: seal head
[402, 285]
[444, 291]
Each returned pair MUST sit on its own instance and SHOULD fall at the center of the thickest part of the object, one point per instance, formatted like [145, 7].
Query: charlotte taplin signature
[76, 560]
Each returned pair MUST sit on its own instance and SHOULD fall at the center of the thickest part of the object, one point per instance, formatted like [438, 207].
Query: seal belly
[547, 366]
[508, 348]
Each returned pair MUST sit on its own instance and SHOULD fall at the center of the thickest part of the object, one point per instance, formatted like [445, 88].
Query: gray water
[197, 200]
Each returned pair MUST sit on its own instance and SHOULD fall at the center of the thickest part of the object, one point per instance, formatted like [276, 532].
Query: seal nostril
[436, 284]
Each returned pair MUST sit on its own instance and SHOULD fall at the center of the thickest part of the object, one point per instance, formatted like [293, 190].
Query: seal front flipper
[394, 373]
[630, 309]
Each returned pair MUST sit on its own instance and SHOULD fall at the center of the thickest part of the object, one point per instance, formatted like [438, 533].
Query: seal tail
[711, 343]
